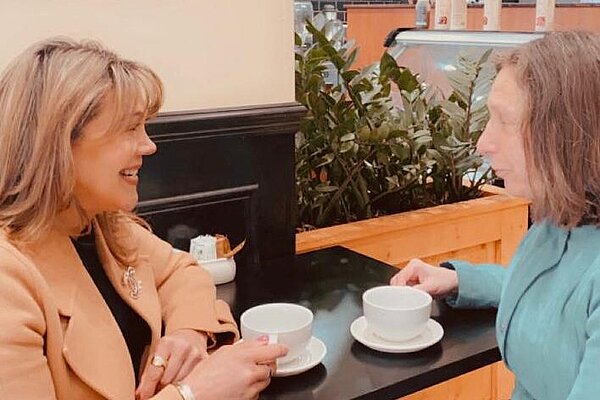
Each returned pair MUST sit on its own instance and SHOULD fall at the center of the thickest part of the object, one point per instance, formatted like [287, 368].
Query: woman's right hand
[240, 371]
[438, 282]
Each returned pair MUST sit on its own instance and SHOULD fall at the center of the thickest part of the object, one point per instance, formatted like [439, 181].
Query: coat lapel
[542, 253]
[147, 304]
[93, 345]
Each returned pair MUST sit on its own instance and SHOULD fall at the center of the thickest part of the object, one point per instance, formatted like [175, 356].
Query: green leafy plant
[381, 140]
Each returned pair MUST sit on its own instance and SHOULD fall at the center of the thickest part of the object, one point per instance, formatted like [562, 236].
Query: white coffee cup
[396, 313]
[285, 323]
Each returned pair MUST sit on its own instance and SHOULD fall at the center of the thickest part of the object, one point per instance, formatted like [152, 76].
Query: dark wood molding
[266, 119]
[182, 202]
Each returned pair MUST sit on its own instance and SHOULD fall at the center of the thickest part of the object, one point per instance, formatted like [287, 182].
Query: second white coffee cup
[287, 323]
[396, 313]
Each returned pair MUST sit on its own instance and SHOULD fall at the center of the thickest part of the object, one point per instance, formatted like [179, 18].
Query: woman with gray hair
[86, 290]
[543, 139]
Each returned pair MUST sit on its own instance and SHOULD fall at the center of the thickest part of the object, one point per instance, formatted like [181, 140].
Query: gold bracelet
[185, 391]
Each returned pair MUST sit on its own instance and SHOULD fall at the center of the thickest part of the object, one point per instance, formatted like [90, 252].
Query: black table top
[330, 282]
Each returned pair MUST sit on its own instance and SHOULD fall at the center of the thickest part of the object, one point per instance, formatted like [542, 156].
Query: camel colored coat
[58, 338]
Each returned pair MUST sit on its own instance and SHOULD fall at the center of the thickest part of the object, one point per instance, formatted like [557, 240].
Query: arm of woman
[194, 319]
[463, 286]
[24, 371]
[479, 286]
[187, 293]
[232, 372]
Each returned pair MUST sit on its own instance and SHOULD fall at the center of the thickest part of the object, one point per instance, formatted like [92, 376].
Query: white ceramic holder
[222, 270]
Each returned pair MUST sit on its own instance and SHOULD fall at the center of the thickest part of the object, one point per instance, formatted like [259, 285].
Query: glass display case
[433, 53]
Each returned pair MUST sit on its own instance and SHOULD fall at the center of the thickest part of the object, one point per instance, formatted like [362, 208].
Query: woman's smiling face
[106, 163]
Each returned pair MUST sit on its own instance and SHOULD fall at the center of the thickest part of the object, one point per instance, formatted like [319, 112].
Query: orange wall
[369, 25]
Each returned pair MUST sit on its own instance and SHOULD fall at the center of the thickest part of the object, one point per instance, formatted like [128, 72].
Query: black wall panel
[227, 171]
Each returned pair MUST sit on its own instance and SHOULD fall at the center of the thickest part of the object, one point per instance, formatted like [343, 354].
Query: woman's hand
[239, 372]
[438, 282]
[181, 350]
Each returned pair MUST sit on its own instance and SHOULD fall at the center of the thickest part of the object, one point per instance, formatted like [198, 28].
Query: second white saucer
[311, 357]
[362, 333]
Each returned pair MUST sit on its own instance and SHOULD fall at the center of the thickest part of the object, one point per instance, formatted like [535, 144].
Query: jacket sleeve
[587, 383]
[24, 371]
[479, 286]
[187, 293]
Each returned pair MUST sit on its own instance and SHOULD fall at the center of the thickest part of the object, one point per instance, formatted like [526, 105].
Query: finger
[189, 364]
[260, 386]
[427, 287]
[415, 264]
[264, 353]
[262, 373]
[404, 276]
[152, 374]
[177, 358]
[398, 280]
[262, 383]
[149, 381]
[273, 366]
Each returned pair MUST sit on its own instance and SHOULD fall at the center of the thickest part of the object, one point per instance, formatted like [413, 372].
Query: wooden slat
[474, 385]
[485, 230]
[429, 232]
[477, 254]
[503, 381]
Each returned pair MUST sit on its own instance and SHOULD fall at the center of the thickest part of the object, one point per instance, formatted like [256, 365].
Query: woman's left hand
[182, 350]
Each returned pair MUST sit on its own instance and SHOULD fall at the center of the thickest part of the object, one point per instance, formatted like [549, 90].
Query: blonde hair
[561, 76]
[47, 95]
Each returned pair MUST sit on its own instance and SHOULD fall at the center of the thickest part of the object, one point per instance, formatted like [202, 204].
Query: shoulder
[21, 285]
[15, 264]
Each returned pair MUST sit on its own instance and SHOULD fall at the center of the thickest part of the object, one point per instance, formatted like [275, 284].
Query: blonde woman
[543, 138]
[85, 288]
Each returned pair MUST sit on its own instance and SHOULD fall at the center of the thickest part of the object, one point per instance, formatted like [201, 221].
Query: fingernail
[263, 338]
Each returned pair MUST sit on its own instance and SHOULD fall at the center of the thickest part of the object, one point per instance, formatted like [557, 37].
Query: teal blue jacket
[548, 321]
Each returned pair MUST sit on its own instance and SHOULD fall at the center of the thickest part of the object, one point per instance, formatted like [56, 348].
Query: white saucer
[311, 357]
[361, 332]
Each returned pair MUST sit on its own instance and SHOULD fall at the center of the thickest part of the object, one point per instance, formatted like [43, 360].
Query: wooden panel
[178, 219]
[208, 162]
[472, 386]
[504, 381]
[398, 247]
[369, 25]
[481, 253]
[429, 232]
[488, 229]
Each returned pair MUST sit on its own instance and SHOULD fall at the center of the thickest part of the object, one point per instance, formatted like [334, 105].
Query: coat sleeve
[479, 286]
[24, 371]
[186, 291]
[587, 383]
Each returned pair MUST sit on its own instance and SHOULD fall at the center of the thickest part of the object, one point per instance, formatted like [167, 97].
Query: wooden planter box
[484, 230]
[487, 229]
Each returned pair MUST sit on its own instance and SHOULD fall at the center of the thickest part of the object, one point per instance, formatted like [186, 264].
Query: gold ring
[158, 361]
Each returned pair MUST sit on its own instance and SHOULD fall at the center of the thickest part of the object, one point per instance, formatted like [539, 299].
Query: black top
[134, 329]
[331, 282]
